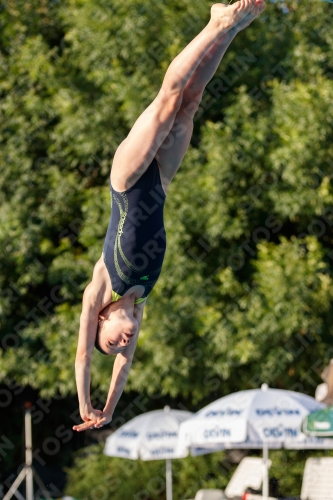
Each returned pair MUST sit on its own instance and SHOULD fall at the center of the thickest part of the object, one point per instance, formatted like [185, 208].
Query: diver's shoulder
[101, 275]
[99, 291]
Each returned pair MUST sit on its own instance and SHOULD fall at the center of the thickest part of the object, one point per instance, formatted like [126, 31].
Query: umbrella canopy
[151, 436]
[319, 423]
[248, 419]
[259, 418]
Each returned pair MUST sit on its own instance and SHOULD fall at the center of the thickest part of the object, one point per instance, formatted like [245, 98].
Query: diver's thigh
[147, 135]
[171, 153]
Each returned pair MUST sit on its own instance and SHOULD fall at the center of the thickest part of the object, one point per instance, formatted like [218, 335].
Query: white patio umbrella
[259, 418]
[150, 436]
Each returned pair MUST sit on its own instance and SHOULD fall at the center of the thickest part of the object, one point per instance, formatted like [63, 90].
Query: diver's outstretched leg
[151, 129]
[174, 147]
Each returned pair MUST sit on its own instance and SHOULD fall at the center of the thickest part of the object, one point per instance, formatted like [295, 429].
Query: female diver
[143, 167]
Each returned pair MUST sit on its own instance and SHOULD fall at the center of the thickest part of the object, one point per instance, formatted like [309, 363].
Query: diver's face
[116, 334]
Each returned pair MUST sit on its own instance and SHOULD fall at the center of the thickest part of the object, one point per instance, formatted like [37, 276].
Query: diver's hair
[97, 341]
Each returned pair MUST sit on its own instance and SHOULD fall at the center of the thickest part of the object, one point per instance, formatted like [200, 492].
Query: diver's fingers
[101, 422]
[85, 426]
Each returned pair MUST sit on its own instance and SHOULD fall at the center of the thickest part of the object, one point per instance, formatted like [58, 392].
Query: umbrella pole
[265, 472]
[168, 474]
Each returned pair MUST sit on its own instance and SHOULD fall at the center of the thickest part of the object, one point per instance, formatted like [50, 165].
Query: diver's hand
[90, 417]
[104, 419]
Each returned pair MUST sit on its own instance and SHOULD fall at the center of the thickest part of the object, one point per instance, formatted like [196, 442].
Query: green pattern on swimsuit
[115, 296]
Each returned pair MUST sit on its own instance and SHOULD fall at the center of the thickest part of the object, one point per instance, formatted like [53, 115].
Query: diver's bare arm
[121, 368]
[87, 334]
[120, 372]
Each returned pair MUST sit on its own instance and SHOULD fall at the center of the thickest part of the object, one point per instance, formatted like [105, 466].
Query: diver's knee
[191, 102]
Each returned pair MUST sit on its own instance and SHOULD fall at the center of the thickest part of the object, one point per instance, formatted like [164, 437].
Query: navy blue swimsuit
[135, 241]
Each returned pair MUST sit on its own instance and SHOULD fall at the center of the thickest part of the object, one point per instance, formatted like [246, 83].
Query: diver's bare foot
[227, 17]
[259, 7]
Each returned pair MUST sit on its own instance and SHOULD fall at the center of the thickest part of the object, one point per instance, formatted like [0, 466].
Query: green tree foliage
[95, 475]
[245, 294]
